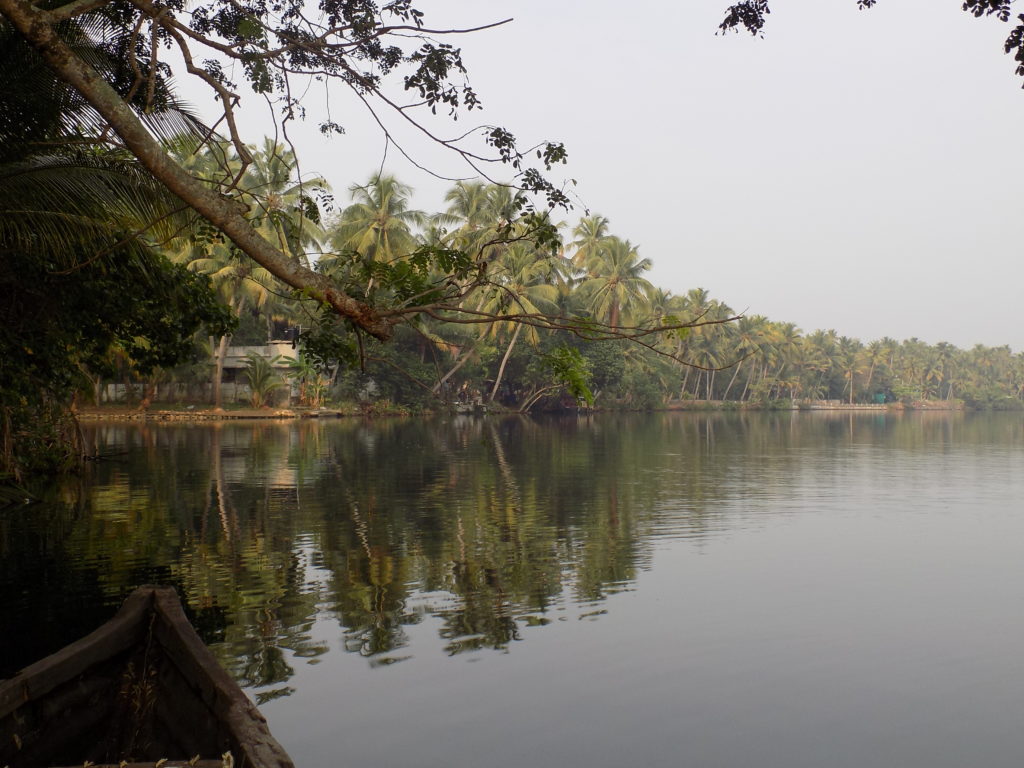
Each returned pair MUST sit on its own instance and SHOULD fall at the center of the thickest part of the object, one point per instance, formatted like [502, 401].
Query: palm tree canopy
[615, 283]
[523, 282]
[589, 235]
[379, 224]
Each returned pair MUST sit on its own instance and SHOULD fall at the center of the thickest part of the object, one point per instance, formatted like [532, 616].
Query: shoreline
[210, 414]
[242, 414]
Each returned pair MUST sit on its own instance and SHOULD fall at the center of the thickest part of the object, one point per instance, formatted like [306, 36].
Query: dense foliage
[99, 169]
[82, 283]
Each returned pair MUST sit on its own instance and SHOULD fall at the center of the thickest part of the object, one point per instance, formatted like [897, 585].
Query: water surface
[825, 589]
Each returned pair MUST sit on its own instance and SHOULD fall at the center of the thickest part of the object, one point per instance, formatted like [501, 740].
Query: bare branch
[579, 327]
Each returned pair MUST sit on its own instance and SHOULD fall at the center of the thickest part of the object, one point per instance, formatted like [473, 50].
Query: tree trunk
[535, 397]
[129, 387]
[504, 360]
[462, 360]
[218, 368]
[735, 373]
[149, 389]
[746, 386]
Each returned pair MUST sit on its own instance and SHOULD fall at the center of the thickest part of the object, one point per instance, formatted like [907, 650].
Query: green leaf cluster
[569, 368]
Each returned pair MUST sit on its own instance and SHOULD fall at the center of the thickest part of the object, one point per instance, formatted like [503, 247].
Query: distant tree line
[371, 245]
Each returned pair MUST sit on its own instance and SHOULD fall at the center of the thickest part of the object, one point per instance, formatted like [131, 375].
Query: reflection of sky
[236, 470]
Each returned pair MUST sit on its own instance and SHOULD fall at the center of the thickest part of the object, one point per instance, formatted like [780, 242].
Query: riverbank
[211, 414]
[201, 413]
[818, 405]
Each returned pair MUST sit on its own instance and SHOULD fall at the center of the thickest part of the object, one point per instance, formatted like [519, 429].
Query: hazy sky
[855, 170]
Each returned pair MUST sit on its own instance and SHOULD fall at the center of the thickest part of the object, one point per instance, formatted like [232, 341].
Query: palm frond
[39, 110]
[86, 183]
[82, 201]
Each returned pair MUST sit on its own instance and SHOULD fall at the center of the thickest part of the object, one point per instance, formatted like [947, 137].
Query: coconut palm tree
[523, 282]
[379, 224]
[469, 212]
[946, 357]
[848, 359]
[615, 284]
[282, 211]
[589, 236]
[874, 354]
[241, 283]
[283, 203]
[748, 341]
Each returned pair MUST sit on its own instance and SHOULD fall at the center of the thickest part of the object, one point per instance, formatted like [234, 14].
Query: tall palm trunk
[219, 353]
[504, 360]
[735, 373]
[218, 367]
[871, 374]
[746, 386]
[462, 360]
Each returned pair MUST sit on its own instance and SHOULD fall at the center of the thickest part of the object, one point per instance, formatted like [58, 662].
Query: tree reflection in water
[241, 516]
[486, 525]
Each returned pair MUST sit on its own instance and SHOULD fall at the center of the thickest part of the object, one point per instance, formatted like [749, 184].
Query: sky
[854, 170]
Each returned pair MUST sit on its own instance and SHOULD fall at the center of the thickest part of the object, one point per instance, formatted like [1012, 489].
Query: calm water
[672, 590]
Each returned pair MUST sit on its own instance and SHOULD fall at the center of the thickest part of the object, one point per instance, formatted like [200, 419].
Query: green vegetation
[524, 339]
[113, 59]
[108, 275]
[78, 225]
[262, 379]
[113, 193]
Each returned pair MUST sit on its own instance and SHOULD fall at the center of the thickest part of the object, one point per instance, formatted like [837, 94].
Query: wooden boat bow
[141, 688]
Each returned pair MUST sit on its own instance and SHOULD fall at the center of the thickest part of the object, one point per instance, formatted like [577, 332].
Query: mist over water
[672, 589]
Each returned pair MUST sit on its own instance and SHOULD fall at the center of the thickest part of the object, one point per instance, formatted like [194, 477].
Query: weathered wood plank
[37, 747]
[116, 636]
[186, 730]
[254, 745]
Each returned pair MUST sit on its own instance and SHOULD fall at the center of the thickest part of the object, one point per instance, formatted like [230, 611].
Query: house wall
[235, 357]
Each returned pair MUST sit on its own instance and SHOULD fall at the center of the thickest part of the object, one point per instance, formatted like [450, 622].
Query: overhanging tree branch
[224, 213]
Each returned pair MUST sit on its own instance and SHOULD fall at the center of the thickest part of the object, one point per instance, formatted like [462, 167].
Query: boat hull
[143, 687]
